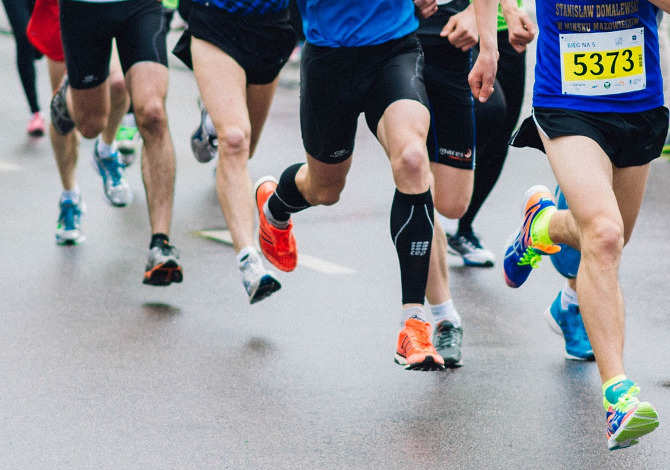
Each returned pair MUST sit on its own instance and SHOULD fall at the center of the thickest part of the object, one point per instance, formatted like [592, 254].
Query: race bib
[603, 63]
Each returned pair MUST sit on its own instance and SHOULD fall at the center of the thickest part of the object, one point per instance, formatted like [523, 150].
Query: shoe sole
[266, 287]
[451, 364]
[70, 241]
[164, 274]
[427, 365]
[555, 327]
[643, 421]
[38, 133]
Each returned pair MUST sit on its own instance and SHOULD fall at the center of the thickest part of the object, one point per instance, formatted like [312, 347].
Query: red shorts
[44, 29]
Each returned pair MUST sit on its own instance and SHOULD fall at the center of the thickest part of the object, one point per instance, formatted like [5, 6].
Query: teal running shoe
[523, 253]
[567, 260]
[116, 188]
[447, 340]
[68, 231]
[628, 419]
[569, 324]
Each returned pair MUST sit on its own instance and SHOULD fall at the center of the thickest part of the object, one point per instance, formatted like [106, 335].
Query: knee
[603, 239]
[235, 142]
[412, 163]
[151, 117]
[90, 125]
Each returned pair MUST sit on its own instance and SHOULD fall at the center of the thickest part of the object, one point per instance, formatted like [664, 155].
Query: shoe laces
[419, 337]
[531, 258]
[68, 214]
[627, 399]
[448, 336]
[251, 268]
[113, 167]
[470, 240]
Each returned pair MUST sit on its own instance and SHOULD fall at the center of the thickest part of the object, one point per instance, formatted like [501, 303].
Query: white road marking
[307, 261]
[4, 166]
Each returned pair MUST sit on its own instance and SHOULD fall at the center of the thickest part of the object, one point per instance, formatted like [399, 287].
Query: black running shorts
[629, 139]
[451, 139]
[338, 84]
[87, 30]
[260, 44]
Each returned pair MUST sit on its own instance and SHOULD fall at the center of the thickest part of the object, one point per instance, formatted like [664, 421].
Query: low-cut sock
[445, 311]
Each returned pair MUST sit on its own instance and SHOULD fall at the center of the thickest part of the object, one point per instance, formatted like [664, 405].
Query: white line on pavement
[307, 261]
[4, 166]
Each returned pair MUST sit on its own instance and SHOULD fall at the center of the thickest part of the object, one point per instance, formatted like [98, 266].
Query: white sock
[129, 120]
[446, 311]
[412, 312]
[71, 194]
[209, 125]
[105, 150]
[568, 297]
[244, 252]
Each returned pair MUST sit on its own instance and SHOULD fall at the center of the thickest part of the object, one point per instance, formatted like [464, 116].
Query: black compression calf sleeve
[412, 233]
[287, 198]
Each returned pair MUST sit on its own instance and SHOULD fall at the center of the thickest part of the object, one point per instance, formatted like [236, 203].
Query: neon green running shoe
[628, 419]
[127, 140]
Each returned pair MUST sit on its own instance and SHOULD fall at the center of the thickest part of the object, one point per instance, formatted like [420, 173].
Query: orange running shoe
[277, 245]
[415, 350]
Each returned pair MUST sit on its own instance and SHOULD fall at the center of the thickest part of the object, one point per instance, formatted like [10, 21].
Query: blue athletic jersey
[248, 7]
[597, 56]
[352, 23]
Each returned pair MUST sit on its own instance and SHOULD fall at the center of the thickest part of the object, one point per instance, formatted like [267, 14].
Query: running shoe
[36, 125]
[60, 116]
[567, 260]
[414, 350]
[629, 419]
[447, 339]
[127, 140]
[467, 246]
[570, 325]
[68, 230]
[523, 253]
[278, 246]
[114, 182]
[258, 282]
[163, 266]
[204, 145]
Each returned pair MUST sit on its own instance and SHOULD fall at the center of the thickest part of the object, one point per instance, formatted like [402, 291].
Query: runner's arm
[483, 73]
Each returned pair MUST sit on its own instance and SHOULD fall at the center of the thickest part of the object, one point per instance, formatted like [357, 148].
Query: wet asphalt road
[101, 372]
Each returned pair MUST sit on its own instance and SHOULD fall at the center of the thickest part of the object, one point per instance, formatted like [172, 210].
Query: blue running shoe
[114, 182]
[567, 260]
[523, 253]
[628, 419]
[569, 324]
[68, 231]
